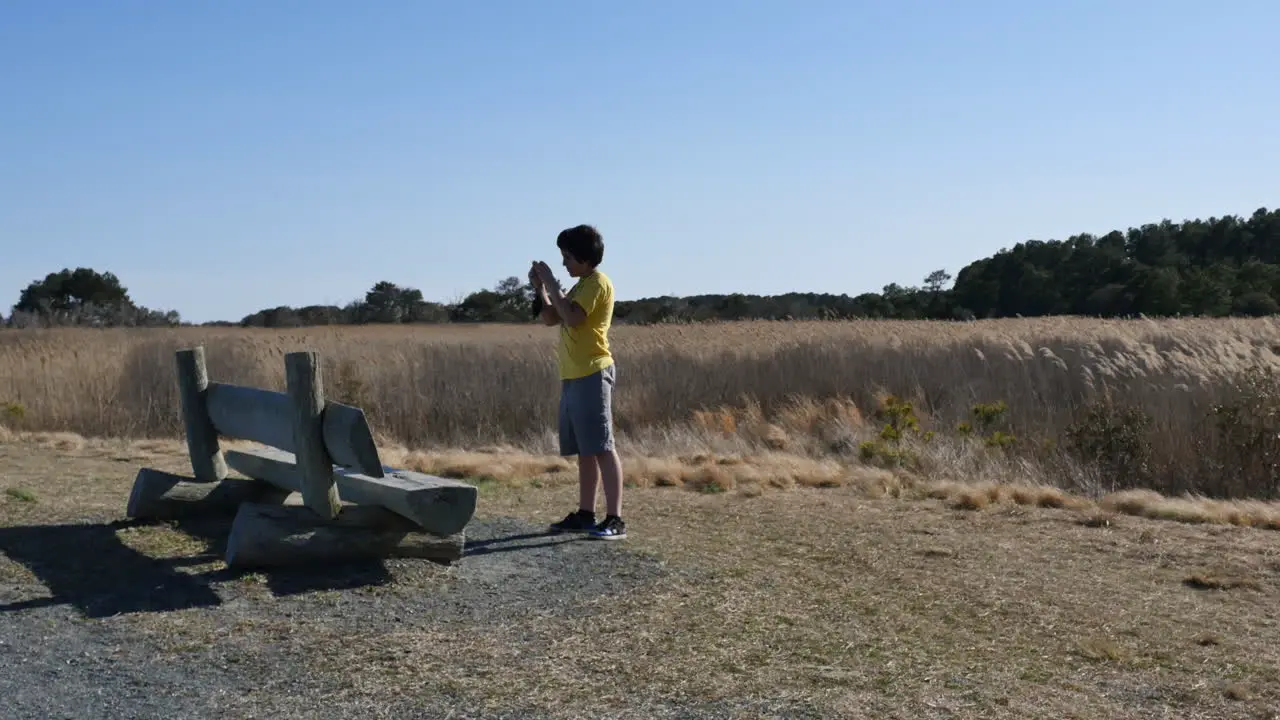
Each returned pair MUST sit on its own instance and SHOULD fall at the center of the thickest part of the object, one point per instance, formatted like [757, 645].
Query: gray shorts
[586, 413]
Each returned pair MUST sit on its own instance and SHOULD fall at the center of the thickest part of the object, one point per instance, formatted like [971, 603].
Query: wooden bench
[352, 507]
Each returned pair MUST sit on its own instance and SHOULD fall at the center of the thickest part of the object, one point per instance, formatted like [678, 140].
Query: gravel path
[72, 656]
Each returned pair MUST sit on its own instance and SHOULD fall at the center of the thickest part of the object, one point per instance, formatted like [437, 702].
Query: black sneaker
[579, 521]
[611, 528]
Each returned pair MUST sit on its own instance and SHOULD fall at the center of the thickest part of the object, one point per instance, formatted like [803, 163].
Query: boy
[587, 375]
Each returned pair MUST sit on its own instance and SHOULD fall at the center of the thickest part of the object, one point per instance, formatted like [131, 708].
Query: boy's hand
[544, 274]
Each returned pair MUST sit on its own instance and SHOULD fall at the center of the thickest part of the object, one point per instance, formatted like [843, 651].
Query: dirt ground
[798, 603]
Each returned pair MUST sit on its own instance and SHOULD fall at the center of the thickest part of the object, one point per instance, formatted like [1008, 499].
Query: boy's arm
[571, 312]
[547, 311]
[566, 311]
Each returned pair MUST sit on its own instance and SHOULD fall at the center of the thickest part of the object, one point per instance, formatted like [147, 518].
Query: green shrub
[900, 421]
[991, 424]
[899, 417]
[1244, 458]
[989, 415]
[1114, 438]
[12, 413]
[887, 455]
[1000, 439]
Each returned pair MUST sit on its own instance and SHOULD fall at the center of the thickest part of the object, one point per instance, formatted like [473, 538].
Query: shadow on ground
[88, 566]
[518, 541]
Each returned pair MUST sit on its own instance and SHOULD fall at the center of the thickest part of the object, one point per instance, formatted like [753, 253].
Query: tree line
[83, 297]
[1214, 267]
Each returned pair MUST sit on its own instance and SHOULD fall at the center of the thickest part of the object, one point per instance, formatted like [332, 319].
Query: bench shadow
[513, 543]
[86, 566]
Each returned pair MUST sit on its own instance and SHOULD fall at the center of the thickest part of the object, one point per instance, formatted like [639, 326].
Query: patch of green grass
[12, 412]
[20, 494]
[485, 484]
[162, 540]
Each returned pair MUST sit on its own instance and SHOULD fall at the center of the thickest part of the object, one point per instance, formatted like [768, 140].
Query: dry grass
[1192, 509]
[748, 475]
[852, 605]
[799, 398]
[862, 577]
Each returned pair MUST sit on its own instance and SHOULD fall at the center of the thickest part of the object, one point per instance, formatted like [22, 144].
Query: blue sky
[222, 157]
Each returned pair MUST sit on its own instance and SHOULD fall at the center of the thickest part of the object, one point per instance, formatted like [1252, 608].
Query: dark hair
[583, 242]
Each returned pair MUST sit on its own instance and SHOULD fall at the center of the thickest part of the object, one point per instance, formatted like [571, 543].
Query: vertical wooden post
[306, 395]
[207, 462]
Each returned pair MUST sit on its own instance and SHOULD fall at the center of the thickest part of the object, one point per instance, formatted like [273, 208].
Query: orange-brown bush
[800, 388]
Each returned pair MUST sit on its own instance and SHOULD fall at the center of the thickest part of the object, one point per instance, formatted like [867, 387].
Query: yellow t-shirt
[585, 349]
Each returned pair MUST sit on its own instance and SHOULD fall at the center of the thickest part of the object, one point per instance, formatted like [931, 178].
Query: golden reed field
[1091, 406]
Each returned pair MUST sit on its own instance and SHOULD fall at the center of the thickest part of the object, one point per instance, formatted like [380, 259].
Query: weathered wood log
[247, 413]
[349, 439]
[265, 416]
[207, 463]
[315, 467]
[437, 505]
[158, 495]
[278, 535]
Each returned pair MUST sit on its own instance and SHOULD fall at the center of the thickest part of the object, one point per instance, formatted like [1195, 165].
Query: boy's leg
[611, 477]
[588, 480]
[594, 430]
[584, 518]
